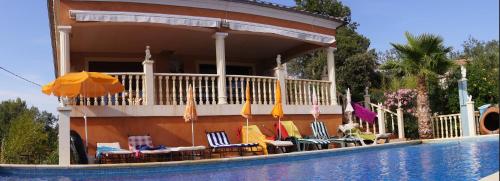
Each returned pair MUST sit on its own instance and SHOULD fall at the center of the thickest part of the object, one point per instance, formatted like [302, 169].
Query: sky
[25, 46]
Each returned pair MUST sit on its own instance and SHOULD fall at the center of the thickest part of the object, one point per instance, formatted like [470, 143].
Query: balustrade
[300, 91]
[262, 89]
[171, 89]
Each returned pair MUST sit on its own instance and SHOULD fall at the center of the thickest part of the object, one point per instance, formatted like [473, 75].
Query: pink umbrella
[315, 108]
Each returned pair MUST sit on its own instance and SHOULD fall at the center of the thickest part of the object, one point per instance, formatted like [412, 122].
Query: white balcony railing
[300, 91]
[261, 88]
[171, 89]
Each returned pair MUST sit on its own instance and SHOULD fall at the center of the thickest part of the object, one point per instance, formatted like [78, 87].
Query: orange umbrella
[190, 112]
[246, 111]
[87, 84]
[278, 107]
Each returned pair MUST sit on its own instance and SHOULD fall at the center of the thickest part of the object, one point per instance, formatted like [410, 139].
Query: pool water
[469, 159]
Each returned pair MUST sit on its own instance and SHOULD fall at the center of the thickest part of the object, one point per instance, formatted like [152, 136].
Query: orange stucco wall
[173, 131]
[67, 5]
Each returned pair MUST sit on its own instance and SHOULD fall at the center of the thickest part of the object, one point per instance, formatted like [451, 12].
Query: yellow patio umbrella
[190, 112]
[86, 84]
[246, 111]
[278, 107]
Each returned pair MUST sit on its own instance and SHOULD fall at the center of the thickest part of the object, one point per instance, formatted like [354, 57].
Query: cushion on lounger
[134, 141]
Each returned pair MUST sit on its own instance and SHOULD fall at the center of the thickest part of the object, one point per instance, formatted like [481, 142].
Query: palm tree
[422, 57]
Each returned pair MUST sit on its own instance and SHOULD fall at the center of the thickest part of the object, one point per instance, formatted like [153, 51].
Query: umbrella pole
[247, 130]
[86, 133]
[192, 132]
[279, 128]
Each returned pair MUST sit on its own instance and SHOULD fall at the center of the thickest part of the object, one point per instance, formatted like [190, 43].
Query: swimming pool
[466, 159]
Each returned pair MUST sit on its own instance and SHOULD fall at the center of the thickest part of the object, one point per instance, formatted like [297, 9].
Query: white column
[401, 124]
[330, 60]
[470, 128]
[64, 136]
[381, 119]
[148, 89]
[220, 54]
[281, 75]
[64, 50]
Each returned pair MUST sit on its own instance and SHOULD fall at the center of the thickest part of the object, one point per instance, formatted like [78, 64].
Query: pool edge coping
[207, 161]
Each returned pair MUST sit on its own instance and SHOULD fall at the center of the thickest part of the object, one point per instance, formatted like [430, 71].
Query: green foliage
[325, 7]
[27, 131]
[357, 73]
[422, 56]
[352, 51]
[26, 140]
[482, 70]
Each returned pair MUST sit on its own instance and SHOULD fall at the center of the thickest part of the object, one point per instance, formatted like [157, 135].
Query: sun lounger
[302, 142]
[112, 153]
[321, 132]
[219, 143]
[161, 154]
[352, 130]
[255, 135]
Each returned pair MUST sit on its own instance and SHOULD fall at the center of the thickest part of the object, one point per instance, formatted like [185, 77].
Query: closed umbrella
[86, 84]
[315, 109]
[190, 112]
[348, 108]
[278, 107]
[246, 111]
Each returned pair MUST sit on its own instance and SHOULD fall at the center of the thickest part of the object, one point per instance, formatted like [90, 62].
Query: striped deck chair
[293, 131]
[219, 143]
[320, 132]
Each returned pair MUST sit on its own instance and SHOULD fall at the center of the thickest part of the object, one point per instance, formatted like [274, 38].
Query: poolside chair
[165, 153]
[219, 143]
[352, 130]
[255, 135]
[321, 132]
[113, 153]
[135, 142]
[302, 142]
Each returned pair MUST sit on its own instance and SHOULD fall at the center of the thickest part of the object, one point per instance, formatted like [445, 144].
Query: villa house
[218, 46]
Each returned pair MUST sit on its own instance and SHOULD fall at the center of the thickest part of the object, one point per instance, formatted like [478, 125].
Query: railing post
[281, 76]
[330, 60]
[470, 127]
[381, 119]
[401, 125]
[149, 88]
[220, 54]
[64, 136]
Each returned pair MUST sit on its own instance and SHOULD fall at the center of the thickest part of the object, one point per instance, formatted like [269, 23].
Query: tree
[482, 70]
[349, 44]
[423, 57]
[26, 141]
[14, 116]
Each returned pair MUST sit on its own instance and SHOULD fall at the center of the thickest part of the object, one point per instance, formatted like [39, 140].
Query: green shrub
[26, 141]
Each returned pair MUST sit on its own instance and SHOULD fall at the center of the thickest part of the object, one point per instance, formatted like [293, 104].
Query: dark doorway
[95, 66]
[230, 69]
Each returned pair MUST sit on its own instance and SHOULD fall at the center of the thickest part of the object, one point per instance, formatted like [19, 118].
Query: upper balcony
[218, 55]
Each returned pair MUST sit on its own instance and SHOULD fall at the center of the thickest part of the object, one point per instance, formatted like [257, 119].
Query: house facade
[156, 48]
